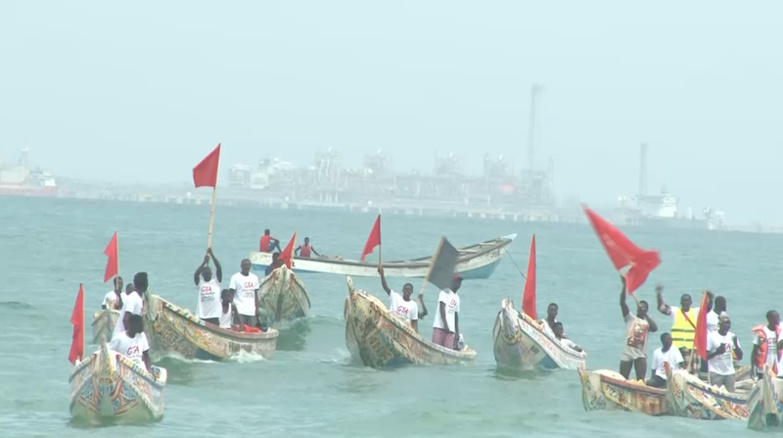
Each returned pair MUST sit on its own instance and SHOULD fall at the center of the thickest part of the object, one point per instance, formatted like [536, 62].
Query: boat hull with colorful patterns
[764, 403]
[475, 262]
[688, 396]
[282, 298]
[173, 330]
[109, 387]
[103, 324]
[378, 339]
[609, 390]
[523, 344]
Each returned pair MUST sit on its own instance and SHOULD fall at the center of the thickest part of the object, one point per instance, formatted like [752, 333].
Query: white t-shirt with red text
[451, 300]
[245, 287]
[406, 309]
[130, 303]
[209, 302]
[133, 348]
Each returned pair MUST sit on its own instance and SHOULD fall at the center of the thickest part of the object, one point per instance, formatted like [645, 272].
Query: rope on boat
[514, 262]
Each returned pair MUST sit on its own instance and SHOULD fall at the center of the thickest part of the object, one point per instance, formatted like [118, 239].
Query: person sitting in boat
[548, 325]
[133, 304]
[445, 327]
[665, 354]
[244, 285]
[767, 346]
[306, 250]
[402, 305]
[276, 263]
[132, 343]
[227, 310]
[560, 336]
[208, 308]
[683, 321]
[112, 298]
[636, 329]
[268, 243]
[721, 346]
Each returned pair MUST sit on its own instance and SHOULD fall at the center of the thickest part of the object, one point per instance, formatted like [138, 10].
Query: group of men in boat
[128, 337]
[270, 244]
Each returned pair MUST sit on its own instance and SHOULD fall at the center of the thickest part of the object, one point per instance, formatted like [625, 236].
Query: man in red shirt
[268, 243]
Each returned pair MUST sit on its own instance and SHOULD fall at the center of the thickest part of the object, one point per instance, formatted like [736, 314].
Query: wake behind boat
[475, 262]
[522, 343]
[110, 386]
[379, 339]
[174, 330]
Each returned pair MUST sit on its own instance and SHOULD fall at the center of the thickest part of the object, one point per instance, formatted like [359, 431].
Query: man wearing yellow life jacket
[767, 345]
[683, 322]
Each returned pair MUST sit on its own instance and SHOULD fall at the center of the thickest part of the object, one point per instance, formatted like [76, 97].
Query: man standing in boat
[636, 330]
[227, 309]
[209, 289]
[268, 243]
[445, 328]
[133, 304]
[244, 285]
[306, 250]
[665, 354]
[132, 343]
[112, 299]
[276, 263]
[767, 346]
[551, 318]
[683, 323]
[721, 346]
[402, 305]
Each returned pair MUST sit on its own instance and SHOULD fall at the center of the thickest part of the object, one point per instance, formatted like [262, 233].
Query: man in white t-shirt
[560, 336]
[112, 298]
[767, 346]
[244, 285]
[132, 304]
[721, 345]
[402, 305]
[445, 328]
[209, 302]
[637, 327]
[665, 354]
[227, 309]
[132, 343]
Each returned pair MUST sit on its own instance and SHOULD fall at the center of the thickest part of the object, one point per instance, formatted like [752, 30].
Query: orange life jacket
[305, 250]
[264, 245]
[761, 355]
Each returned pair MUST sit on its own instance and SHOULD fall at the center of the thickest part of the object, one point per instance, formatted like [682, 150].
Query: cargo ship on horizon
[21, 180]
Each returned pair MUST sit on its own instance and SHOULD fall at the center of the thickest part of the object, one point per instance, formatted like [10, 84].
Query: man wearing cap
[445, 328]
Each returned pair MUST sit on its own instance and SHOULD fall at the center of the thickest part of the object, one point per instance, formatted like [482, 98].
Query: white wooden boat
[282, 297]
[378, 339]
[688, 396]
[524, 344]
[476, 262]
[103, 324]
[171, 329]
[107, 386]
[766, 409]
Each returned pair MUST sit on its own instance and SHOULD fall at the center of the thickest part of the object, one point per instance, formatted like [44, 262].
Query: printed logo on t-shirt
[133, 351]
[637, 335]
[206, 293]
[402, 310]
[249, 285]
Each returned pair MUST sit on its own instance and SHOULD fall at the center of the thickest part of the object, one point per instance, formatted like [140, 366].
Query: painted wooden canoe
[174, 330]
[609, 390]
[688, 396]
[766, 409]
[282, 297]
[476, 261]
[522, 343]
[379, 339]
[107, 386]
[103, 324]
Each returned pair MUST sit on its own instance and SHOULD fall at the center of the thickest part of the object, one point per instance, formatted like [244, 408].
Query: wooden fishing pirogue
[766, 409]
[173, 330]
[609, 390]
[103, 324]
[688, 396]
[522, 343]
[282, 297]
[109, 386]
[379, 339]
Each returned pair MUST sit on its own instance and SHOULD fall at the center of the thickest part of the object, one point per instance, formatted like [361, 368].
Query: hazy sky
[143, 90]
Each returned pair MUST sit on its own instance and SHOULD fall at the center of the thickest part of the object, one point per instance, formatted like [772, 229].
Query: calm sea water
[310, 388]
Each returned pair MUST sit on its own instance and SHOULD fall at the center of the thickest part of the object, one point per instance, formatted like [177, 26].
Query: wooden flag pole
[81, 289]
[211, 218]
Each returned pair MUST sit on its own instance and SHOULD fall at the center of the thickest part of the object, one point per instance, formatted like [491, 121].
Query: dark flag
[443, 265]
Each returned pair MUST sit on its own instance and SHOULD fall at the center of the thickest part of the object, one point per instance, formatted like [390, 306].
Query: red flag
[529, 296]
[374, 239]
[623, 252]
[113, 264]
[288, 251]
[77, 319]
[700, 340]
[205, 172]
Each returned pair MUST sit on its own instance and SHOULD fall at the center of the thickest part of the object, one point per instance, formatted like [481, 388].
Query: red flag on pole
[77, 319]
[374, 239]
[623, 252]
[700, 340]
[288, 252]
[205, 172]
[113, 264]
[529, 296]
